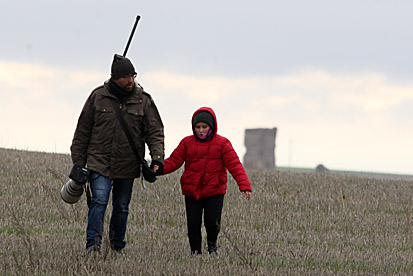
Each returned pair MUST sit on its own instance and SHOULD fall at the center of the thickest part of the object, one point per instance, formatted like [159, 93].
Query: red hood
[208, 109]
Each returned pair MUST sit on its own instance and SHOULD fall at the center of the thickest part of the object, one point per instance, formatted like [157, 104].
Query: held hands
[247, 194]
[157, 167]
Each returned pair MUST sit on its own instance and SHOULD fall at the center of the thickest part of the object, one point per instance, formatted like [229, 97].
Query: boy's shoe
[196, 252]
[212, 248]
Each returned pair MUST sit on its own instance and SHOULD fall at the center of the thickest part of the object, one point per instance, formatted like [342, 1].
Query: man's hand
[79, 174]
[148, 175]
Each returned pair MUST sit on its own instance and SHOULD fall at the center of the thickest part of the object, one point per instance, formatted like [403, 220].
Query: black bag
[147, 173]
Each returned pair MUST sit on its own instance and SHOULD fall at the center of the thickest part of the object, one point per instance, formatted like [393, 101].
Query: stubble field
[295, 224]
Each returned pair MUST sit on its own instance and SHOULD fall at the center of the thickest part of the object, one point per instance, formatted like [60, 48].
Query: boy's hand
[247, 194]
[159, 167]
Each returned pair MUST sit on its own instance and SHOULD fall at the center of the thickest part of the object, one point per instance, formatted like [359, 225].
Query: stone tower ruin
[260, 144]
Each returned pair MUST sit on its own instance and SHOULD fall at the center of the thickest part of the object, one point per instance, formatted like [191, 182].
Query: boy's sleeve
[235, 167]
[176, 159]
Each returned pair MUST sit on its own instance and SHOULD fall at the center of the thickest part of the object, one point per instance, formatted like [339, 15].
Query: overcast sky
[335, 77]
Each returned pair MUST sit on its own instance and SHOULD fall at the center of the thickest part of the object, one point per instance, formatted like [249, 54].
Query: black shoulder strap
[128, 135]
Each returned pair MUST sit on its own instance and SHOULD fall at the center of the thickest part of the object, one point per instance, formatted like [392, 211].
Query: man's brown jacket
[100, 143]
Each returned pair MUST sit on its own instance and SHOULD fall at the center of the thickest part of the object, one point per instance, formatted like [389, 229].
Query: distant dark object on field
[260, 144]
[321, 169]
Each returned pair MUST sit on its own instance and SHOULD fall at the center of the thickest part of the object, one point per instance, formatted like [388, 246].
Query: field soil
[297, 223]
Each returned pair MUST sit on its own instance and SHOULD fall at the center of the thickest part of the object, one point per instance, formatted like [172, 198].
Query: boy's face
[201, 129]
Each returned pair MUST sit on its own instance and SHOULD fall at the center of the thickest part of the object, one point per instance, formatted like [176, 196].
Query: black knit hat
[205, 117]
[121, 66]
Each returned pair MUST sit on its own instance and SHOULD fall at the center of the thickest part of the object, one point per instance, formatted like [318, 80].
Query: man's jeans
[121, 196]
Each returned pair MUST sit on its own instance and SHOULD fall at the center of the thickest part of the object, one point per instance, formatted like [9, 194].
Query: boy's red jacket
[206, 164]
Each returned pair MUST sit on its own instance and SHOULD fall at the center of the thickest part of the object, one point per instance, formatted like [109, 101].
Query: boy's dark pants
[212, 207]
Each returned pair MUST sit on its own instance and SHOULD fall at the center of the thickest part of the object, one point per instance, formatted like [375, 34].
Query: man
[101, 145]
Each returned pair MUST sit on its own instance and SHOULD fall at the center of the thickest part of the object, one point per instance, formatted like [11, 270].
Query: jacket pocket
[103, 114]
[134, 119]
[104, 123]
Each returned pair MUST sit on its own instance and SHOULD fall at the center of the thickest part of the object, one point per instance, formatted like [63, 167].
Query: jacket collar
[135, 97]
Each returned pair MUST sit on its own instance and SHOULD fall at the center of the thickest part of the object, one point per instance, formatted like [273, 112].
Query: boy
[207, 157]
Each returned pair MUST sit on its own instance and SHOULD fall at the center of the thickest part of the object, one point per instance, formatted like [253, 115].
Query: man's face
[126, 82]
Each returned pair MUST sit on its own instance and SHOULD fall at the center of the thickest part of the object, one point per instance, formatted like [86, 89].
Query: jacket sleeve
[153, 132]
[235, 167]
[83, 132]
[176, 160]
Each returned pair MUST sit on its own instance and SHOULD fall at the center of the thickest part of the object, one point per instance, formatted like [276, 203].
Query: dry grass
[296, 224]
